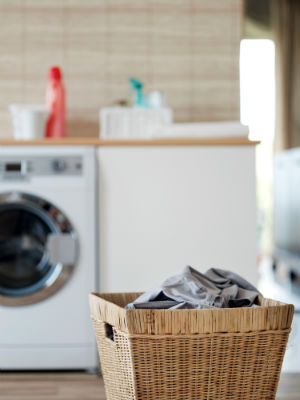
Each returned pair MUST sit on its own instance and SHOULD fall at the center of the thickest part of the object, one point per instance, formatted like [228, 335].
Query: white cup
[29, 121]
[156, 99]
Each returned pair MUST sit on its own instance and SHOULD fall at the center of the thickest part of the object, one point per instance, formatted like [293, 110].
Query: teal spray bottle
[137, 88]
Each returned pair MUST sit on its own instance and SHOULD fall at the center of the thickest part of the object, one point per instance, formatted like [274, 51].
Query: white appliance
[47, 257]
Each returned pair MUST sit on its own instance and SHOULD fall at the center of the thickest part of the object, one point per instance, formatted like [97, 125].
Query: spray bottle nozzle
[135, 83]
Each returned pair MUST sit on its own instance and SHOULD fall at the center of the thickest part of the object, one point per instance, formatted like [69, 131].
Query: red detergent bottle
[55, 103]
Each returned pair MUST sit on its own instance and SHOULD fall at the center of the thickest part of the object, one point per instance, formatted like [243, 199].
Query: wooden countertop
[136, 142]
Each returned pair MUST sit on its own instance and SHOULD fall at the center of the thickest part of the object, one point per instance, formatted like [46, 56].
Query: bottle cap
[54, 73]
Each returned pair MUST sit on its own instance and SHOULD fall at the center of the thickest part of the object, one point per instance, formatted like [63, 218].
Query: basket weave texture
[210, 354]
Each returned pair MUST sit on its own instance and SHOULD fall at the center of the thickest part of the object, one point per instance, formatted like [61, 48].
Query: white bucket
[29, 121]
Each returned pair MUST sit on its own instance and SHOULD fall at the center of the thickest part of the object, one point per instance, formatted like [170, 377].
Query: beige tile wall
[187, 48]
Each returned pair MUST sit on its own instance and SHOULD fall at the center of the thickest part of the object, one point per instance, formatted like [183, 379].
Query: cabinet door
[162, 208]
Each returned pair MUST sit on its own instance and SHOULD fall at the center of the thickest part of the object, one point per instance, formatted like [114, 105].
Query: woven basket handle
[109, 332]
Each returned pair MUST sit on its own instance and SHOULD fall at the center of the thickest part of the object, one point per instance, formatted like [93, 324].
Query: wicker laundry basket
[209, 354]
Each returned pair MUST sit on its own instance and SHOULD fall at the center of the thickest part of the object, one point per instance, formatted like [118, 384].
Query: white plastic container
[29, 121]
[132, 123]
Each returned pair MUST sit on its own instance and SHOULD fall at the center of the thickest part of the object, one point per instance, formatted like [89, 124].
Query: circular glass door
[28, 271]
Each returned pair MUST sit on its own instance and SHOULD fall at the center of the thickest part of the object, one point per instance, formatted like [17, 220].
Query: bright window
[257, 80]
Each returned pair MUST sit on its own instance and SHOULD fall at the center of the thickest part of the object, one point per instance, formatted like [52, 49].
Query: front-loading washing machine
[48, 257]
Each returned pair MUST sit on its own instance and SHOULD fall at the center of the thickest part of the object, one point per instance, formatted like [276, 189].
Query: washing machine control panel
[58, 165]
[25, 167]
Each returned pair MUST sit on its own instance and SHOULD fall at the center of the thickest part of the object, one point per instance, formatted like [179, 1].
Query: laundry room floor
[81, 386]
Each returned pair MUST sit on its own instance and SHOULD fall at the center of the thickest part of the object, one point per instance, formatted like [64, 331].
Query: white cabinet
[164, 207]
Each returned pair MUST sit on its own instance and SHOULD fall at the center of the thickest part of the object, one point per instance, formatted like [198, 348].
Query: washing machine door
[38, 249]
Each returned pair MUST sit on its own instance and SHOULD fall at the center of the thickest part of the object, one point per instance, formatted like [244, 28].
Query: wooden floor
[80, 386]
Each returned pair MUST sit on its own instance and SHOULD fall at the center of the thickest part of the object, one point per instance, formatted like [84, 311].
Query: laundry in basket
[190, 288]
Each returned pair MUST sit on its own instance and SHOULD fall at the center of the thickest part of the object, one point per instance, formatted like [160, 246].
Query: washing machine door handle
[62, 248]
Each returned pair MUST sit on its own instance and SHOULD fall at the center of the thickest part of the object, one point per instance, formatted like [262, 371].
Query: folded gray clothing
[190, 289]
